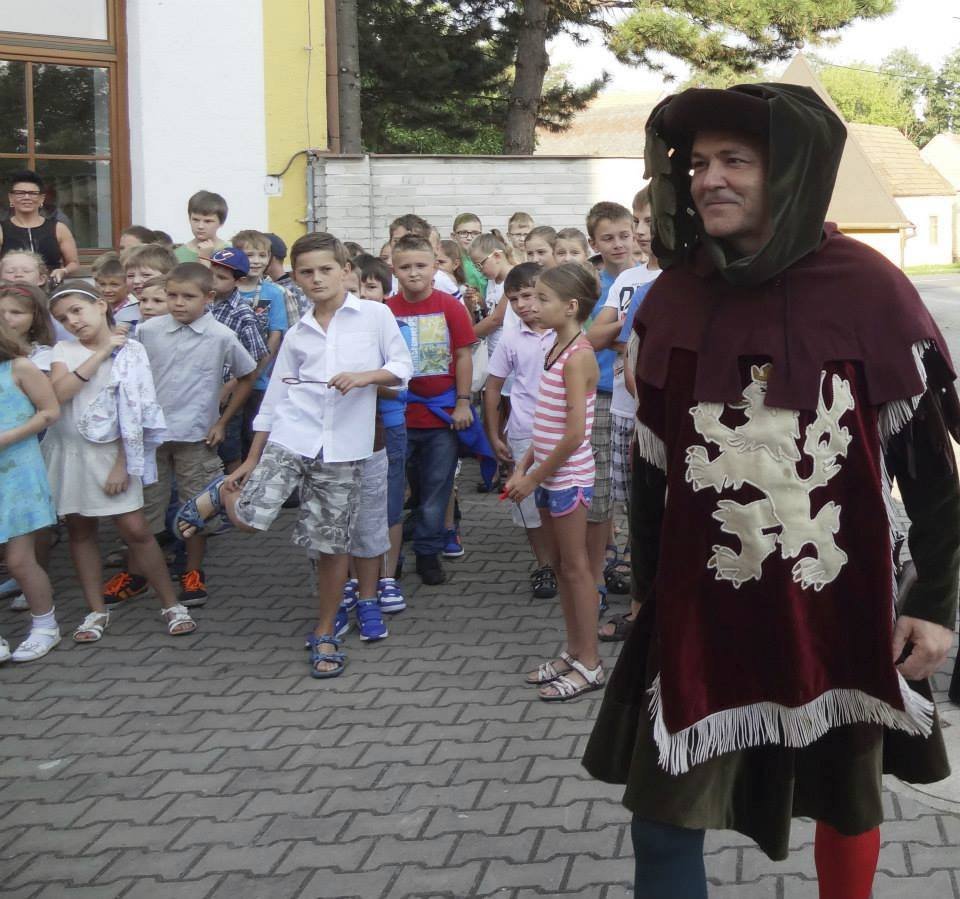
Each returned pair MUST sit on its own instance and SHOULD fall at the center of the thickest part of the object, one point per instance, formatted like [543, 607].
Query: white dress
[76, 467]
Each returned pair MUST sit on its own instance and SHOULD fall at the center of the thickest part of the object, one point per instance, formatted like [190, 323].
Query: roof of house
[943, 153]
[612, 125]
[904, 172]
[861, 198]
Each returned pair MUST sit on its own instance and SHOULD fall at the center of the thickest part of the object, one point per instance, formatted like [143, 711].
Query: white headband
[70, 290]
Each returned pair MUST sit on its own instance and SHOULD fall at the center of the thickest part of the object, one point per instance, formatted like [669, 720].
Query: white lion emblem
[763, 452]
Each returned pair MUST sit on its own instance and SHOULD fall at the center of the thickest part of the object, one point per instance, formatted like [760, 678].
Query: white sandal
[567, 688]
[39, 642]
[95, 623]
[547, 673]
[175, 616]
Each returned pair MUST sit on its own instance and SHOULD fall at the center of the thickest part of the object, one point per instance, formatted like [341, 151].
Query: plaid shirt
[240, 318]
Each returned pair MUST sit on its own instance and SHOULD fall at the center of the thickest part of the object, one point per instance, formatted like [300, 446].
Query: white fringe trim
[650, 446]
[897, 414]
[768, 722]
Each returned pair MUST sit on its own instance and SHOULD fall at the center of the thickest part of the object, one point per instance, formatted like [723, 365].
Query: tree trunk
[519, 137]
[348, 82]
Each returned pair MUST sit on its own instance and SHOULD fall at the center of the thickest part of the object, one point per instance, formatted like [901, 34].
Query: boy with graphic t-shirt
[439, 398]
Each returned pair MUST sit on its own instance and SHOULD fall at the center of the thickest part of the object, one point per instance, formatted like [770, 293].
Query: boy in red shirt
[441, 337]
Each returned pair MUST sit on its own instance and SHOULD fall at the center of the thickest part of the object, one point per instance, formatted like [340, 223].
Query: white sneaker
[39, 642]
[19, 603]
[4, 650]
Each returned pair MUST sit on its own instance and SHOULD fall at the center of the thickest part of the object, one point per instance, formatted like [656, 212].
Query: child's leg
[136, 533]
[85, 552]
[396, 444]
[437, 450]
[578, 594]
[33, 580]
[43, 540]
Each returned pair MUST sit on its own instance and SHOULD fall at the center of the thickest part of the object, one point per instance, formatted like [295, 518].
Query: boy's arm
[241, 394]
[463, 412]
[491, 416]
[493, 321]
[604, 329]
[238, 477]
[397, 363]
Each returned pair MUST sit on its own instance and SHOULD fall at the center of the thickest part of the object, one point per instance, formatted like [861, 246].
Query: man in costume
[786, 374]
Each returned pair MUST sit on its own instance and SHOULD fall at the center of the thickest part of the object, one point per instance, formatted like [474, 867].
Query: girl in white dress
[90, 480]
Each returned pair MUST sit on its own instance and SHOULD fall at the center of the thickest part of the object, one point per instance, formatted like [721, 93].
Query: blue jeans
[433, 453]
[396, 443]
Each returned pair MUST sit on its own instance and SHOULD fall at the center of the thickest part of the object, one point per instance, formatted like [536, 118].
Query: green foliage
[870, 96]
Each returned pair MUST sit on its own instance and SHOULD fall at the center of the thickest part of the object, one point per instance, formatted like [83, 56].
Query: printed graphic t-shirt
[439, 326]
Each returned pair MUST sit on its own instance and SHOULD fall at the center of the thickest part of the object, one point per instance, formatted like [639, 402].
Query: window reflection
[71, 109]
[81, 190]
[13, 106]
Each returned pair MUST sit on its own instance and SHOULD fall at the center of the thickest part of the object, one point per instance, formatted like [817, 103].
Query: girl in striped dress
[562, 478]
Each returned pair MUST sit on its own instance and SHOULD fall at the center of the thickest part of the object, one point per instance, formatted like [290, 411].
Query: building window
[63, 112]
[934, 229]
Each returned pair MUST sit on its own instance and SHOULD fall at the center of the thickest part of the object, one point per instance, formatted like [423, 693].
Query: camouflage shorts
[329, 498]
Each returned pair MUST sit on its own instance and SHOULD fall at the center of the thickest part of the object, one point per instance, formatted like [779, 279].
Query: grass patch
[953, 269]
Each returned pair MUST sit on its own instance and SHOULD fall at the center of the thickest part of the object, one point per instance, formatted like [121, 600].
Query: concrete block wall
[356, 198]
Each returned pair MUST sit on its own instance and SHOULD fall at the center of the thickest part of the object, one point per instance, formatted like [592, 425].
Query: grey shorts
[524, 514]
[194, 465]
[370, 536]
[329, 498]
[601, 441]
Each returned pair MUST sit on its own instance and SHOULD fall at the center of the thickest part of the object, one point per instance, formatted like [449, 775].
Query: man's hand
[118, 480]
[348, 380]
[931, 643]
[238, 477]
[215, 435]
[462, 416]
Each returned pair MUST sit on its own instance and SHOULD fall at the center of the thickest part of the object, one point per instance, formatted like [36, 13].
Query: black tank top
[42, 240]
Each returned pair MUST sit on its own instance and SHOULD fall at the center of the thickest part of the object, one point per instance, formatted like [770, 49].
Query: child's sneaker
[350, 589]
[341, 624]
[19, 603]
[390, 596]
[370, 621]
[193, 589]
[451, 544]
[123, 586]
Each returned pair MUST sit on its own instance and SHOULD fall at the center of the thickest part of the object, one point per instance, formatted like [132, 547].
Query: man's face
[729, 189]
[138, 275]
[320, 276]
[414, 270]
[186, 301]
[204, 226]
[224, 282]
[613, 240]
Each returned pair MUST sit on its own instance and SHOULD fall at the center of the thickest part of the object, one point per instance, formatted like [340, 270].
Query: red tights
[845, 865]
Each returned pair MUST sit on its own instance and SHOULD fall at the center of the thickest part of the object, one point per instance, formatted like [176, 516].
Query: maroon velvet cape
[774, 580]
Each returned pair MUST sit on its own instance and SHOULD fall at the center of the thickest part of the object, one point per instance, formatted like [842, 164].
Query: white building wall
[358, 197]
[186, 135]
[922, 249]
[884, 242]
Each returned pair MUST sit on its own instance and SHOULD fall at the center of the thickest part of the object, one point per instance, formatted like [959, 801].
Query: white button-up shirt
[309, 416]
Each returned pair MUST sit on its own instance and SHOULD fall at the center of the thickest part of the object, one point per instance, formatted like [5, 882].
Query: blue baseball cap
[232, 258]
[278, 249]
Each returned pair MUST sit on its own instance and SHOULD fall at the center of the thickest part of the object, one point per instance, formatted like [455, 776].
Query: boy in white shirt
[315, 428]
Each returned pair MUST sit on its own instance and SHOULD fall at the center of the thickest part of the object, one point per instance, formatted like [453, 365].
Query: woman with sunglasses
[27, 229]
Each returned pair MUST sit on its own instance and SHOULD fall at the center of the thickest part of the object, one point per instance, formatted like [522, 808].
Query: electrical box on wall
[272, 186]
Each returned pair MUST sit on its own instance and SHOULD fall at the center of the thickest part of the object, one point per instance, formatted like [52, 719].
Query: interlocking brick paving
[213, 766]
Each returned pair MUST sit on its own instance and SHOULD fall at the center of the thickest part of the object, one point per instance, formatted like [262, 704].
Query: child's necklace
[547, 365]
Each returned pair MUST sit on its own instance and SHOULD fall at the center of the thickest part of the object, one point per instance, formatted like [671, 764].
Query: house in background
[943, 153]
[925, 196]
[129, 106]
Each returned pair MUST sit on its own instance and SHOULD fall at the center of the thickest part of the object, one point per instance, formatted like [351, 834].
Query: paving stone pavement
[213, 766]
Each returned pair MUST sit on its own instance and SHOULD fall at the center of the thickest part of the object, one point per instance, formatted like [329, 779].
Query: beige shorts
[194, 465]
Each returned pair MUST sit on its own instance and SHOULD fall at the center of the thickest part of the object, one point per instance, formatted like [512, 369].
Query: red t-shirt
[439, 325]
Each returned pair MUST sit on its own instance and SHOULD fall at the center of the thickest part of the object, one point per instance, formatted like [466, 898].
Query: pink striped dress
[549, 423]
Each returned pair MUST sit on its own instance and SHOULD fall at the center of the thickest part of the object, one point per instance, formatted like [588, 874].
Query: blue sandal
[318, 655]
[189, 514]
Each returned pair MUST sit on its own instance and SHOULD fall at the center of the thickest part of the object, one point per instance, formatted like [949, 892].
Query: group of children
[205, 388]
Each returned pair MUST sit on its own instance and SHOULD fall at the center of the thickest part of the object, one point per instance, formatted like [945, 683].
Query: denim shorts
[562, 502]
[396, 445]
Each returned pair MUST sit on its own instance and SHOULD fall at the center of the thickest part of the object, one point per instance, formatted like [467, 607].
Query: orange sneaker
[193, 589]
[123, 586]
